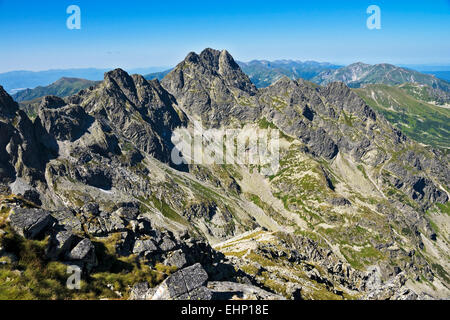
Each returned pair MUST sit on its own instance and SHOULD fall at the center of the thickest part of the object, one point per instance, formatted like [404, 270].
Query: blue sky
[131, 34]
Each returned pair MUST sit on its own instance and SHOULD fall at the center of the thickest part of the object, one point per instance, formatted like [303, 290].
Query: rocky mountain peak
[208, 82]
[359, 66]
[210, 57]
[220, 61]
[209, 65]
[121, 78]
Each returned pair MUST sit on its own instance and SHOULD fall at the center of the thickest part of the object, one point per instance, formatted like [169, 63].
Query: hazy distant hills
[157, 75]
[15, 81]
[62, 88]
[444, 75]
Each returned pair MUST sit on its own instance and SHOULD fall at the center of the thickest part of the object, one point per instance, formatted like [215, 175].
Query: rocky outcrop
[21, 154]
[186, 284]
[394, 289]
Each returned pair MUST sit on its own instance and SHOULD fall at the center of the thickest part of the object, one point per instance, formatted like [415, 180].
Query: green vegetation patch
[32, 277]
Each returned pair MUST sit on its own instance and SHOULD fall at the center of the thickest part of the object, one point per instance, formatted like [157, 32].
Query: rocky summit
[356, 209]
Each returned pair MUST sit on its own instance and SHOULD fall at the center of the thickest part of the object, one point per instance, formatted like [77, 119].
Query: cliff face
[356, 208]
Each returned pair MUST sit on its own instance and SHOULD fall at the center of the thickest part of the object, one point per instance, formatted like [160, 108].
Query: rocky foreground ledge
[69, 245]
[197, 271]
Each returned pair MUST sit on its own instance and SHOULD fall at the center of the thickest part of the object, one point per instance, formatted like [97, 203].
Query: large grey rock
[194, 276]
[68, 219]
[84, 252]
[147, 246]
[30, 223]
[176, 259]
[141, 291]
[186, 284]
[167, 244]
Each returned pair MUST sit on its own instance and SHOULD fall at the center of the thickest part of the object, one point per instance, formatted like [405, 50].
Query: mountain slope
[424, 122]
[356, 210]
[62, 88]
[359, 74]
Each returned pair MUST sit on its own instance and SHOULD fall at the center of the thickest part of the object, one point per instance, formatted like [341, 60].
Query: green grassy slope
[422, 121]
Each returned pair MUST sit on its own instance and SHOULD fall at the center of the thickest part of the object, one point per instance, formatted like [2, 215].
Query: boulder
[167, 244]
[186, 284]
[194, 276]
[30, 223]
[147, 246]
[68, 219]
[84, 252]
[141, 291]
[176, 259]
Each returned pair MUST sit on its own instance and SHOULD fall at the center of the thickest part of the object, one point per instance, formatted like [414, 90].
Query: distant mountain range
[409, 99]
[157, 75]
[261, 72]
[62, 88]
[359, 74]
[15, 81]
[264, 73]
[444, 75]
